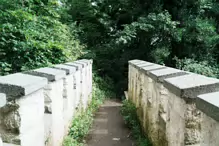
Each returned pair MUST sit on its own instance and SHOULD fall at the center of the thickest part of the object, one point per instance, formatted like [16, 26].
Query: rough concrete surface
[19, 84]
[109, 128]
[67, 68]
[51, 74]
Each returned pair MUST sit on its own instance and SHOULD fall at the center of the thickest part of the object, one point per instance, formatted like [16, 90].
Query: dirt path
[109, 128]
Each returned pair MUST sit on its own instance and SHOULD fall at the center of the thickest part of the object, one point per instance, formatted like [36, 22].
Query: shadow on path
[109, 128]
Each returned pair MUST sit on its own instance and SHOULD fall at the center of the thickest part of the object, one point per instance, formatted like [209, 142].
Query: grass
[129, 114]
[82, 122]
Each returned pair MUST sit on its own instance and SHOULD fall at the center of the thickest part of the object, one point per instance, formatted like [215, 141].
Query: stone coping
[134, 61]
[163, 73]
[152, 67]
[182, 83]
[51, 74]
[19, 84]
[84, 64]
[191, 85]
[3, 100]
[78, 66]
[86, 61]
[209, 104]
[68, 69]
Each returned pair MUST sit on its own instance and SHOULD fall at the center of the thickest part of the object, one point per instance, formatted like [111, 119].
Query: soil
[109, 128]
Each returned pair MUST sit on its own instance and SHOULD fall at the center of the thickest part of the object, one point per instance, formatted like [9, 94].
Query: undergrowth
[130, 117]
[82, 122]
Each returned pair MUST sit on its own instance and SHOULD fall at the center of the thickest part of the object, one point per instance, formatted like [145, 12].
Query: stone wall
[176, 108]
[37, 106]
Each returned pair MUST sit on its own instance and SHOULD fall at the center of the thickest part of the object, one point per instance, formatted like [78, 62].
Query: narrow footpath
[109, 128]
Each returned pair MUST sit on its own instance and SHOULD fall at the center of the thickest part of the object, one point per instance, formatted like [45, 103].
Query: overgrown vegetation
[102, 89]
[32, 35]
[178, 33]
[128, 111]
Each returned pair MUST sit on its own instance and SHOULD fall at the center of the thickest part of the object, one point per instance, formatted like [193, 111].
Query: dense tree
[178, 33]
[32, 35]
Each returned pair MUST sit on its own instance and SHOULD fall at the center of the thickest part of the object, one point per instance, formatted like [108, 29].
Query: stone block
[8, 144]
[89, 61]
[18, 85]
[67, 68]
[191, 85]
[209, 104]
[143, 64]
[84, 64]
[135, 61]
[161, 74]
[51, 74]
[78, 66]
[53, 94]
[150, 67]
[3, 100]
[48, 129]
[70, 100]
[84, 61]
[22, 120]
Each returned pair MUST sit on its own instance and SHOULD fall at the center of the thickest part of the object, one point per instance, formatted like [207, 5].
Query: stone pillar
[208, 104]
[69, 95]
[88, 79]
[2, 104]
[134, 88]
[91, 77]
[183, 125]
[158, 113]
[77, 82]
[22, 118]
[83, 84]
[53, 94]
[147, 112]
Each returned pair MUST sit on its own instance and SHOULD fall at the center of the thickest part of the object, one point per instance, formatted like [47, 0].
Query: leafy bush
[128, 111]
[203, 68]
[32, 36]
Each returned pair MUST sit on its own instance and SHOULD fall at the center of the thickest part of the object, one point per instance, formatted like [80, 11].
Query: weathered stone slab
[140, 63]
[67, 68]
[161, 74]
[152, 67]
[8, 144]
[209, 104]
[3, 100]
[90, 61]
[143, 64]
[135, 61]
[51, 74]
[78, 66]
[82, 63]
[191, 85]
[17, 85]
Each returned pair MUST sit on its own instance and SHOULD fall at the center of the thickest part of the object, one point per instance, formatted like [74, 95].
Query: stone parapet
[37, 106]
[175, 107]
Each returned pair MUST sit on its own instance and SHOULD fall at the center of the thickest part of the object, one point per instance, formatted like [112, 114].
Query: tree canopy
[179, 33]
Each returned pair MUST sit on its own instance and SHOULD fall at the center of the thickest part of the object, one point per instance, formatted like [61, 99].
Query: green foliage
[116, 31]
[83, 121]
[32, 36]
[128, 111]
[202, 68]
